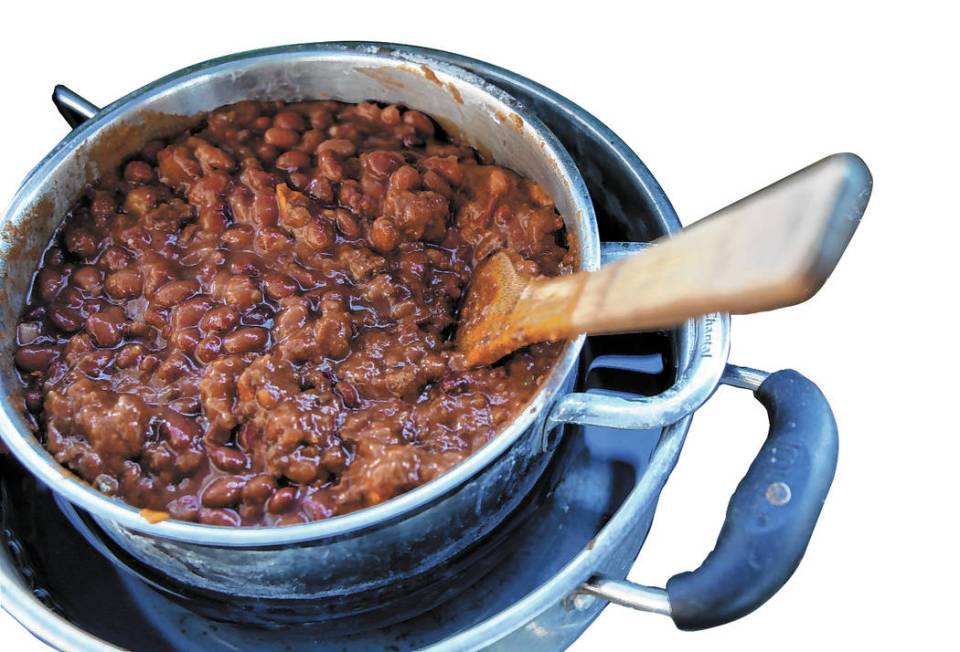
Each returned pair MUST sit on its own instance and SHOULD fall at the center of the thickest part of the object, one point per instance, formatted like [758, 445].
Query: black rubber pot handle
[772, 513]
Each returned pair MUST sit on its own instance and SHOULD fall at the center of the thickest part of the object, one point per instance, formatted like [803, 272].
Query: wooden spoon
[772, 249]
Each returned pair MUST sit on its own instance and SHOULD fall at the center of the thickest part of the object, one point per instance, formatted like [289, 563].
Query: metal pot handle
[75, 109]
[697, 381]
[770, 518]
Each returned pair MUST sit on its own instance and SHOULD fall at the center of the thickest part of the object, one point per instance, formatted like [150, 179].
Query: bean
[382, 164]
[282, 500]
[87, 278]
[419, 121]
[277, 285]
[290, 519]
[103, 206]
[293, 160]
[259, 488]
[124, 283]
[384, 235]
[238, 236]
[219, 319]
[185, 339]
[34, 357]
[184, 508]
[190, 312]
[390, 115]
[281, 137]
[141, 200]
[173, 292]
[303, 471]
[114, 258]
[106, 327]
[227, 459]
[347, 224]
[320, 234]
[129, 356]
[245, 340]
[289, 120]
[271, 238]
[339, 147]
[222, 517]
[330, 167]
[208, 349]
[138, 172]
[49, 283]
[222, 492]
[80, 241]
[405, 178]
[66, 319]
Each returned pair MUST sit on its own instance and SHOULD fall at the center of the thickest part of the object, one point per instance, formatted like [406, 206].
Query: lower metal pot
[374, 551]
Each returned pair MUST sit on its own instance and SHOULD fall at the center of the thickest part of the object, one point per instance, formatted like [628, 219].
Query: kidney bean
[174, 292]
[321, 189]
[330, 168]
[245, 340]
[72, 297]
[222, 492]
[35, 357]
[259, 488]
[129, 356]
[66, 319]
[219, 319]
[282, 501]
[184, 508]
[123, 284]
[347, 224]
[223, 517]
[310, 140]
[173, 367]
[405, 178]
[277, 285]
[190, 312]
[290, 519]
[103, 206]
[390, 115]
[114, 258]
[87, 278]
[81, 242]
[239, 236]
[244, 263]
[138, 172]
[185, 339]
[289, 119]
[336, 148]
[281, 137]
[384, 235]
[267, 153]
[419, 121]
[141, 200]
[272, 239]
[49, 283]
[319, 234]
[208, 349]
[106, 327]
[293, 160]
[227, 459]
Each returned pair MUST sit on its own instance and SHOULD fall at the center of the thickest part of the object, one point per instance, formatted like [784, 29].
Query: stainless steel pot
[377, 553]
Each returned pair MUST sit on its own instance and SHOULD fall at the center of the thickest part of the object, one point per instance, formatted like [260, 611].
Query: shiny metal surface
[542, 611]
[629, 594]
[75, 109]
[743, 377]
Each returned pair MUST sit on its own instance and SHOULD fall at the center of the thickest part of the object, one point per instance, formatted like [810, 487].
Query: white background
[718, 100]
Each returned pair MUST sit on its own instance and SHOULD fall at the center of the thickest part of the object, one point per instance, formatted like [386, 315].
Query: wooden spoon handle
[772, 249]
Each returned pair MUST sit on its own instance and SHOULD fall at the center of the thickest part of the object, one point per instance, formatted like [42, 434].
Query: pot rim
[59, 479]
